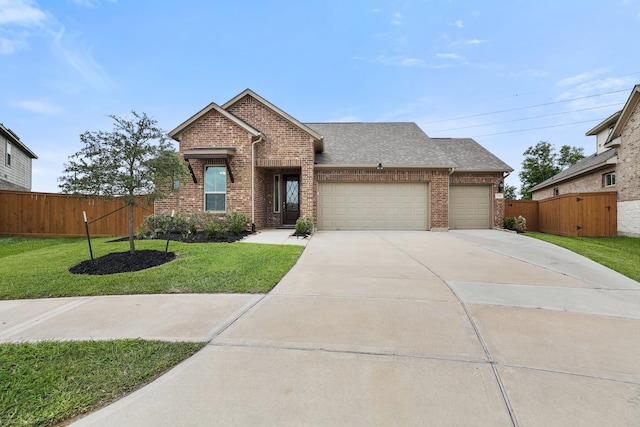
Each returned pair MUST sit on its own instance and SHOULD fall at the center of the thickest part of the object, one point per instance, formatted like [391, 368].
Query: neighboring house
[15, 163]
[615, 166]
[250, 156]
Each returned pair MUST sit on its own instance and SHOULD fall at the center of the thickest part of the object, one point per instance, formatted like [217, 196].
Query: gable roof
[588, 164]
[628, 108]
[175, 134]
[605, 124]
[469, 156]
[318, 142]
[15, 140]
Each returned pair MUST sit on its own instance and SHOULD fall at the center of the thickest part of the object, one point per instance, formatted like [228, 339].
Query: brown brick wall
[284, 145]
[438, 180]
[467, 178]
[628, 169]
[588, 183]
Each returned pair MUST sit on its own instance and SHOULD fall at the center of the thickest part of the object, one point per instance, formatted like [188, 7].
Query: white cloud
[81, 59]
[471, 42]
[41, 106]
[8, 46]
[20, 12]
[400, 61]
[448, 56]
[397, 19]
[376, 10]
[90, 3]
[458, 24]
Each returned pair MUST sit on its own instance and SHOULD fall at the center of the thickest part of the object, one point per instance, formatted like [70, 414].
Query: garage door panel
[470, 206]
[371, 206]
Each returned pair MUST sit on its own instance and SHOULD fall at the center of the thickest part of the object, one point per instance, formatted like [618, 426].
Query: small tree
[134, 159]
[541, 163]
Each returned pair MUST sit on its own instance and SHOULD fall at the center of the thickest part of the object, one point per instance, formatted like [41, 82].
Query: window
[215, 188]
[556, 191]
[8, 159]
[276, 193]
[609, 179]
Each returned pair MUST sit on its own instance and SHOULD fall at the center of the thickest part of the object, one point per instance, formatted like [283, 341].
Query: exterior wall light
[379, 166]
[501, 187]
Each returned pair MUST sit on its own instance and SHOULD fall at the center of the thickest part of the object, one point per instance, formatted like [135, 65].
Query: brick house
[248, 155]
[613, 167]
[15, 163]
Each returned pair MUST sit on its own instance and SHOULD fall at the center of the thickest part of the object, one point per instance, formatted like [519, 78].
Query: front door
[291, 202]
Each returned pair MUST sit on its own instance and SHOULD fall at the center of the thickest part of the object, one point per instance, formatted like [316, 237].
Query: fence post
[166, 249]
[86, 227]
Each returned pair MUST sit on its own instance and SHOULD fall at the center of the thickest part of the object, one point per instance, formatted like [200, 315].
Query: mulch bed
[123, 262]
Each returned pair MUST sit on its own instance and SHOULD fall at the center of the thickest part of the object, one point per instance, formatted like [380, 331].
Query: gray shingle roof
[470, 156]
[392, 144]
[587, 164]
[400, 144]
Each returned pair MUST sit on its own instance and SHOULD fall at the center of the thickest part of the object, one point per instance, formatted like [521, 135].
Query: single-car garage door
[469, 206]
[373, 206]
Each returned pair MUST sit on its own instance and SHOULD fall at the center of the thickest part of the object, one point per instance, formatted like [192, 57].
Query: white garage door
[469, 206]
[373, 206]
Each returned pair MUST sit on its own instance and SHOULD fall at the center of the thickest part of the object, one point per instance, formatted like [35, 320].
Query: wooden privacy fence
[575, 214]
[50, 214]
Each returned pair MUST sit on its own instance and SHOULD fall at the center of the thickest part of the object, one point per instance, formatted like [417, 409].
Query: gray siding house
[15, 162]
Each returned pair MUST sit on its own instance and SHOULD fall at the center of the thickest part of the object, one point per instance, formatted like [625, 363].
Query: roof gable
[175, 134]
[629, 107]
[318, 138]
[15, 140]
[469, 156]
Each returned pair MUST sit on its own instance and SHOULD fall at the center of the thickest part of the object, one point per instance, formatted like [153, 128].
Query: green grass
[49, 382]
[16, 245]
[621, 254]
[38, 268]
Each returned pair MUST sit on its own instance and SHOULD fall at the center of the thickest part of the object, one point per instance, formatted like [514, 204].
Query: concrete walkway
[481, 328]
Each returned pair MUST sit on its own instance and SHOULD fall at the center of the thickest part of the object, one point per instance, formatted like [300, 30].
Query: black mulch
[123, 262]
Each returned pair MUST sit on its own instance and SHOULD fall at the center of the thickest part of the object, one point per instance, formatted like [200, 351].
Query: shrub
[304, 225]
[199, 220]
[236, 221]
[520, 224]
[216, 229]
[152, 225]
[508, 223]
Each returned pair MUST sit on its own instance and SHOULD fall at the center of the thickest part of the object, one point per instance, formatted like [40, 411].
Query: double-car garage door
[373, 206]
[398, 206]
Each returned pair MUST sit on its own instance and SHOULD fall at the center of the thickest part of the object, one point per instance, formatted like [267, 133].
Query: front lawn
[50, 382]
[39, 268]
[621, 254]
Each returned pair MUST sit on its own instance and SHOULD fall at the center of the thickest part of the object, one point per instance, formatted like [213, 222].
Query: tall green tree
[541, 162]
[134, 159]
[510, 192]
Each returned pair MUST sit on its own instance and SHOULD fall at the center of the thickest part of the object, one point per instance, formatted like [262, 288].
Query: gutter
[253, 181]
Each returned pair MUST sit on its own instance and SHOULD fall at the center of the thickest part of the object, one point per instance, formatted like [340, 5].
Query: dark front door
[291, 200]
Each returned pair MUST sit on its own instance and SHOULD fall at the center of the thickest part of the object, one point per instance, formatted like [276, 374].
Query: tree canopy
[541, 162]
[133, 159]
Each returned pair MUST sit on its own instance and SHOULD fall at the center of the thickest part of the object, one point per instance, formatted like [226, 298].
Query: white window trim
[277, 196]
[7, 160]
[214, 192]
[609, 175]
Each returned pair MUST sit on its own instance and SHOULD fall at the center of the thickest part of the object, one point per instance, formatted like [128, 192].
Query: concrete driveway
[465, 328]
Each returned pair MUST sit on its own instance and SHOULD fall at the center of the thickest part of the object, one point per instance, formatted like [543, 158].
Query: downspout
[253, 182]
[453, 169]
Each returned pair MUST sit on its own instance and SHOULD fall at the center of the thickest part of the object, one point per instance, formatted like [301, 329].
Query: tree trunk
[132, 247]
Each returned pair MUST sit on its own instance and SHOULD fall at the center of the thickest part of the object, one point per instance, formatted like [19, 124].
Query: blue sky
[506, 73]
